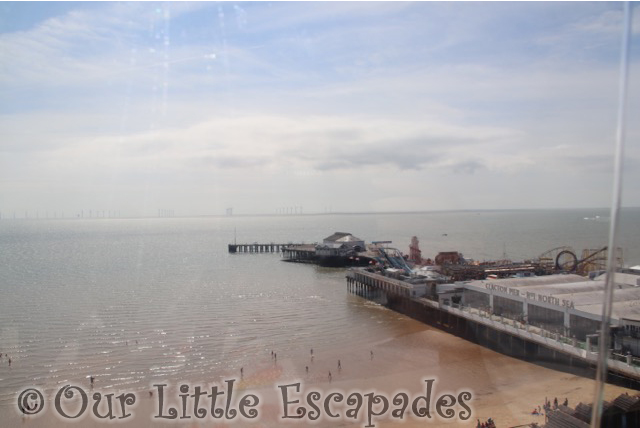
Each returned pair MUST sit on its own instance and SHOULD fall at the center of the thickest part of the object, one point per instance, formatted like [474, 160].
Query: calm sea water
[132, 301]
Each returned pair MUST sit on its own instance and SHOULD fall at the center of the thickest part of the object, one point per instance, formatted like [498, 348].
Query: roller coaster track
[564, 258]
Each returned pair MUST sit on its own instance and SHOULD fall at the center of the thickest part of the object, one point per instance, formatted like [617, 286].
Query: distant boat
[597, 218]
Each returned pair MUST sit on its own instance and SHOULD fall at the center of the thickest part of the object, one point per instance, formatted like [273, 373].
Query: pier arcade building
[569, 305]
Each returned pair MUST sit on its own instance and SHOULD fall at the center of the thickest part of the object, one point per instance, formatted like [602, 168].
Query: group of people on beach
[329, 377]
[548, 406]
[489, 423]
[274, 357]
[8, 357]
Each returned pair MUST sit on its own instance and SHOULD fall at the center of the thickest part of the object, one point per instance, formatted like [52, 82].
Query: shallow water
[132, 301]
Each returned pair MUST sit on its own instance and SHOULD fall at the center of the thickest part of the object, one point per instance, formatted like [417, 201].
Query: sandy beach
[500, 387]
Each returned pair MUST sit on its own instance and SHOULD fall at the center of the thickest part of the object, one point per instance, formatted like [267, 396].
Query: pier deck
[302, 253]
[259, 248]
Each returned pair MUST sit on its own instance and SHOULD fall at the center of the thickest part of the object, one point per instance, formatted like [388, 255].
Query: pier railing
[626, 364]
[259, 248]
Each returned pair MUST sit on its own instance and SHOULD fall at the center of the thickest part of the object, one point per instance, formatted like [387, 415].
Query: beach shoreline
[500, 387]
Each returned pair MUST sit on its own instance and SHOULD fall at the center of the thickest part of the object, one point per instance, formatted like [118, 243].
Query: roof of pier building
[587, 295]
[336, 236]
[342, 237]
[563, 288]
[626, 302]
[594, 297]
[629, 310]
[538, 280]
[626, 278]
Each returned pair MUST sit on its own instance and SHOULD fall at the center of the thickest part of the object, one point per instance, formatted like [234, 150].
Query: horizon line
[309, 214]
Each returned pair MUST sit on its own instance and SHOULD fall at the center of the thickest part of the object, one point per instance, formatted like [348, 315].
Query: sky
[268, 107]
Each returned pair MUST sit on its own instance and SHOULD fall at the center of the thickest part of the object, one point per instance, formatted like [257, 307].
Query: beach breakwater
[505, 336]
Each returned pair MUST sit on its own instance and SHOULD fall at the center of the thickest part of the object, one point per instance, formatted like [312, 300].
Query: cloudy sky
[196, 107]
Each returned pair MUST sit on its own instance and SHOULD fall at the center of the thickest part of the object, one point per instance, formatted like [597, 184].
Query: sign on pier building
[546, 301]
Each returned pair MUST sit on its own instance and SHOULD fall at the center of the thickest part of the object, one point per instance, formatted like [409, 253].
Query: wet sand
[503, 388]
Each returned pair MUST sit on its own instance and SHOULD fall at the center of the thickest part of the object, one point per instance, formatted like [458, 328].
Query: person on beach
[91, 379]
[329, 376]
[371, 355]
[339, 365]
[306, 369]
[9, 361]
[241, 372]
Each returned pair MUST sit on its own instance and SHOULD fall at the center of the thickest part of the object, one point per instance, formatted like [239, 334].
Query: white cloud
[176, 100]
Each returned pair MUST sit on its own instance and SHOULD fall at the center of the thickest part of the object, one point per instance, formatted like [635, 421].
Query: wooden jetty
[259, 248]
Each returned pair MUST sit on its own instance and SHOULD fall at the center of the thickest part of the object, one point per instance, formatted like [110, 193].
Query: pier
[258, 248]
[497, 332]
[300, 253]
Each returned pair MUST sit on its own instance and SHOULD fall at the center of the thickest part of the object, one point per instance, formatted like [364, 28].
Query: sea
[131, 301]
